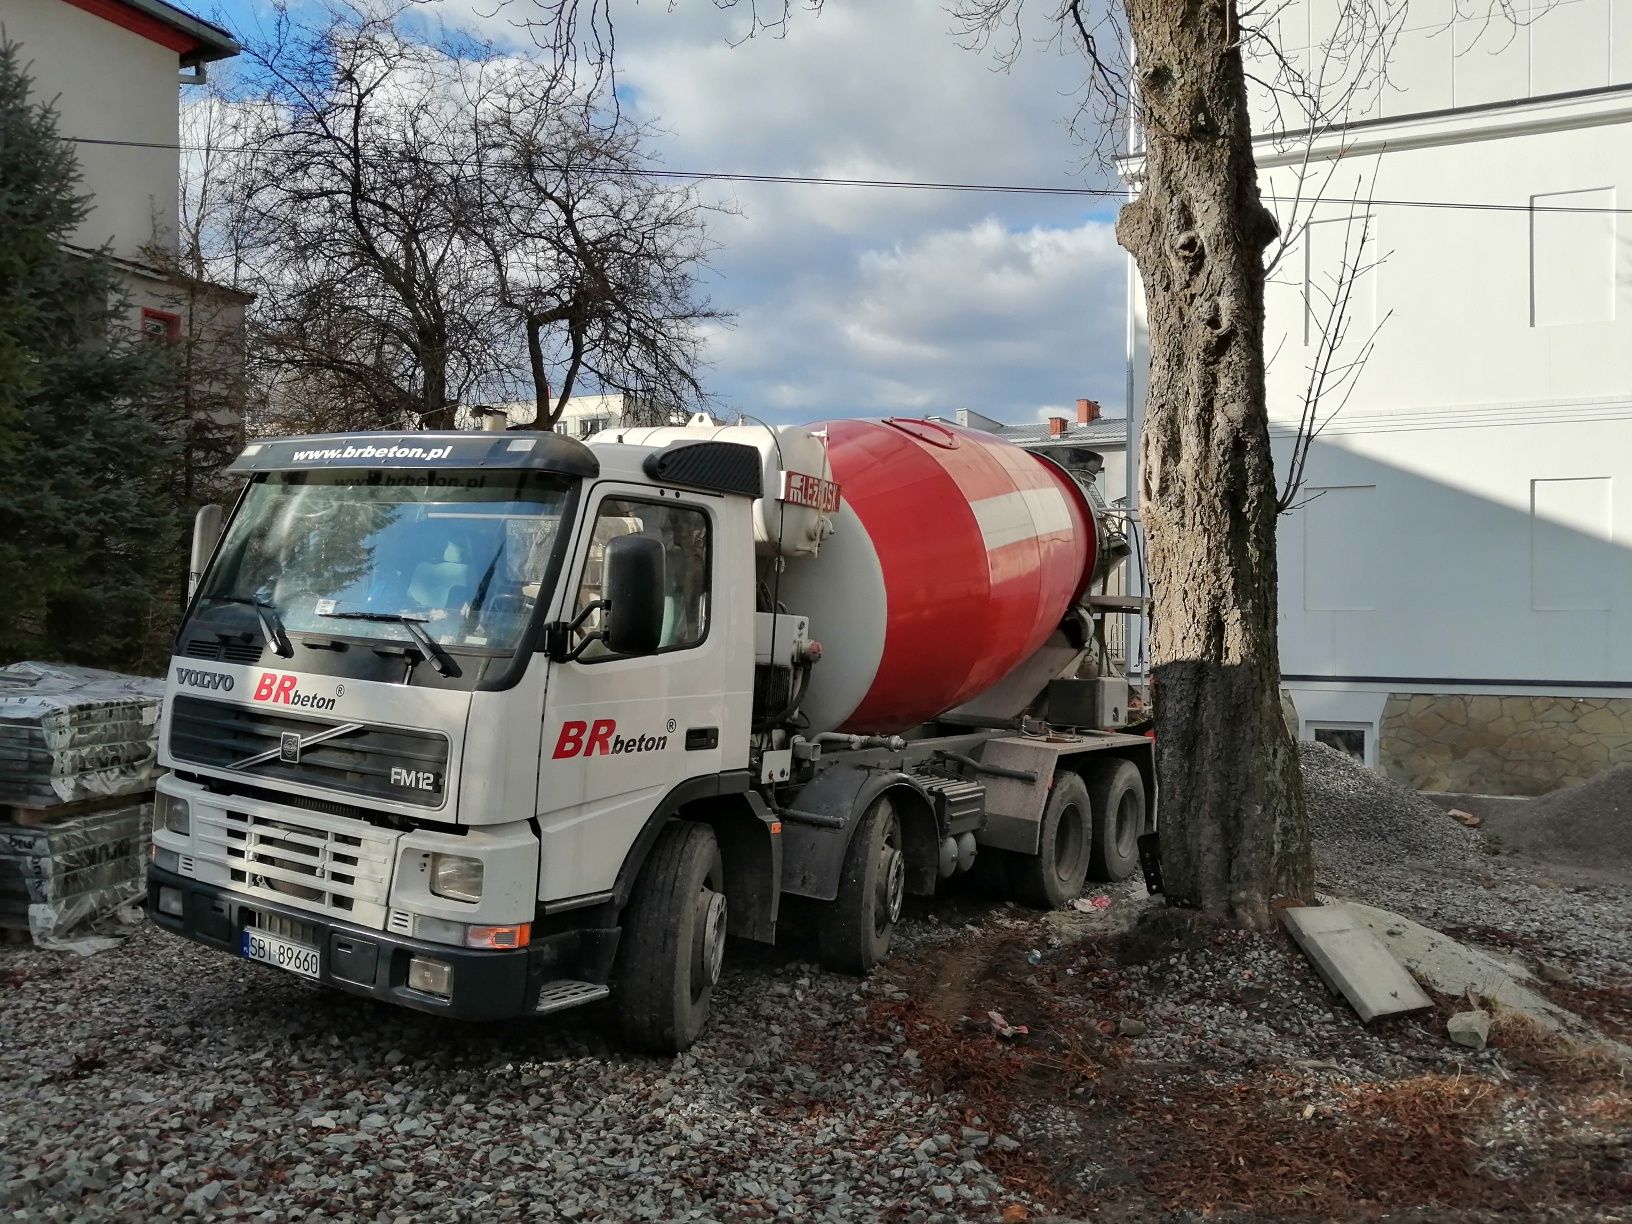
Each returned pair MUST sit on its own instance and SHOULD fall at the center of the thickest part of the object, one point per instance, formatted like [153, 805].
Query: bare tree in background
[430, 224]
[1234, 830]
[372, 304]
[596, 263]
[1335, 368]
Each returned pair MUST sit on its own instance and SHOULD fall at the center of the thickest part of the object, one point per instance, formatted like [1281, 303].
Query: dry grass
[1524, 1041]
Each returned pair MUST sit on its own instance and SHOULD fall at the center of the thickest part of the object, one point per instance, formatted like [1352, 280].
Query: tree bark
[1233, 829]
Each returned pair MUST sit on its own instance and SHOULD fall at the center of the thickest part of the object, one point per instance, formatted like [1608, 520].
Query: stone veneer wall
[1501, 745]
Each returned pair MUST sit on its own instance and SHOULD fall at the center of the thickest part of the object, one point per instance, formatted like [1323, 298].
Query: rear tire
[673, 941]
[1117, 792]
[856, 931]
[1056, 874]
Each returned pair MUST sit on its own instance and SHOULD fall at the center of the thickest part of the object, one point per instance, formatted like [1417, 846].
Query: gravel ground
[162, 1080]
[1379, 843]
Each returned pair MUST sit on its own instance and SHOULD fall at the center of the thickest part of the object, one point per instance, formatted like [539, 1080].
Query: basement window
[1348, 738]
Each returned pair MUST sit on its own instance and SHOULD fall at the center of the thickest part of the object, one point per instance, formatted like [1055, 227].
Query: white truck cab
[488, 725]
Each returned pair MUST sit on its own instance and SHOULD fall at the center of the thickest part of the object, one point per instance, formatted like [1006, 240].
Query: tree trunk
[1233, 829]
[436, 412]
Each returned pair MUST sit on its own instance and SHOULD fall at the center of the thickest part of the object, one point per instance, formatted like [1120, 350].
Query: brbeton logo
[601, 739]
[285, 690]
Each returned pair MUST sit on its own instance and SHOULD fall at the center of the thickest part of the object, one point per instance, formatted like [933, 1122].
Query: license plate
[284, 953]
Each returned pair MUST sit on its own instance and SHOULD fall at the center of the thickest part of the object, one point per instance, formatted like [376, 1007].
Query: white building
[1456, 584]
[589, 414]
[113, 70]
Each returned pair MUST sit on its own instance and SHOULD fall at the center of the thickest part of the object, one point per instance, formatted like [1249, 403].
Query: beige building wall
[106, 83]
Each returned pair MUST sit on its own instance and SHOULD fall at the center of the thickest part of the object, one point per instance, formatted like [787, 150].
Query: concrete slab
[1454, 969]
[1354, 961]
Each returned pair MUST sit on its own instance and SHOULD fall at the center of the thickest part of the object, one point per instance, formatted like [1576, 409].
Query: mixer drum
[955, 555]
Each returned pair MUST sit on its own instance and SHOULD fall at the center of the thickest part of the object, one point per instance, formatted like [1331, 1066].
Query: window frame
[1368, 736]
[171, 321]
[660, 503]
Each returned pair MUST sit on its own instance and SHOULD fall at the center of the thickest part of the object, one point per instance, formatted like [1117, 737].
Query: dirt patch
[1180, 1070]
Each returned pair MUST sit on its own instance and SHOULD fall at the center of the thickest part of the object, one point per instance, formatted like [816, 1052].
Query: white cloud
[978, 316]
[855, 301]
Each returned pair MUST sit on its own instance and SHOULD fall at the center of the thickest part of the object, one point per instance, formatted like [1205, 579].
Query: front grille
[223, 650]
[324, 864]
[219, 786]
[382, 762]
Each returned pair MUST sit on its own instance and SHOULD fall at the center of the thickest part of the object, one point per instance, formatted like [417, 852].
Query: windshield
[355, 554]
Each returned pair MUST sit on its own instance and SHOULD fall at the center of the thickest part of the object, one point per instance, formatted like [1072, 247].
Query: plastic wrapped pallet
[74, 733]
[55, 878]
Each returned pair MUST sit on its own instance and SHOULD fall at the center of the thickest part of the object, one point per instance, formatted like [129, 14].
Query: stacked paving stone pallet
[78, 755]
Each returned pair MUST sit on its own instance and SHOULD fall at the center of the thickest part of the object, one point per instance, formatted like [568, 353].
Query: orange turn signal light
[516, 935]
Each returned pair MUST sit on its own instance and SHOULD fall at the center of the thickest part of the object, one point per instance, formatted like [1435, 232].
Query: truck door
[620, 733]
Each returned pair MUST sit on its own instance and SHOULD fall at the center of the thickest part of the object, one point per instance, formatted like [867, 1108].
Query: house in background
[1106, 436]
[1456, 581]
[113, 70]
[589, 414]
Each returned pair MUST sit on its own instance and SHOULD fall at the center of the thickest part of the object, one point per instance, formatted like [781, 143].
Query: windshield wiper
[440, 659]
[271, 626]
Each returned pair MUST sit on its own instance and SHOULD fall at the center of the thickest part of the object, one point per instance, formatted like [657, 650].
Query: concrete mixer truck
[492, 724]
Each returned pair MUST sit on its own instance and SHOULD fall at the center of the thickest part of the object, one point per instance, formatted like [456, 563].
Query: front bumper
[487, 985]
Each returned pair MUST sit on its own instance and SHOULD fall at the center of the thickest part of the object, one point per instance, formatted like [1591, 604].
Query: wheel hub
[895, 882]
[712, 935]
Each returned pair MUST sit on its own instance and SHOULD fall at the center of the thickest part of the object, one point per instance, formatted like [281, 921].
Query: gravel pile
[1589, 825]
[1379, 843]
[164, 1080]
[1361, 820]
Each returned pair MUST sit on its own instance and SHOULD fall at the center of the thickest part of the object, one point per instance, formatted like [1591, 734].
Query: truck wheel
[1056, 874]
[856, 931]
[673, 941]
[1118, 795]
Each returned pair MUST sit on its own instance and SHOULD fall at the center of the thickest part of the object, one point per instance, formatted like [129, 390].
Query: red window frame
[171, 323]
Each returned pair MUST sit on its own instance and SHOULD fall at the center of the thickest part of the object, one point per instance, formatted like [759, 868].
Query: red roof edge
[137, 22]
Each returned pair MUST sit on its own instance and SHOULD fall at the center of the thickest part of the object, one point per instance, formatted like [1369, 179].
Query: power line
[814, 180]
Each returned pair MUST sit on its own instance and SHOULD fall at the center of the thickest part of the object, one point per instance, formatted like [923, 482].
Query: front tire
[673, 941]
[1058, 871]
[856, 932]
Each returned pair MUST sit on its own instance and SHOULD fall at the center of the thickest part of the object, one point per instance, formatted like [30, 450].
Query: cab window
[684, 532]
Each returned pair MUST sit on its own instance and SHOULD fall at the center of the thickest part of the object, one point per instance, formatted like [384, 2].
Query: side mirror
[206, 532]
[632, 588]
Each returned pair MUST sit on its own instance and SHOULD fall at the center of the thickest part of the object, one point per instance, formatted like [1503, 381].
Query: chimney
[1056, 427]
[1087, 411]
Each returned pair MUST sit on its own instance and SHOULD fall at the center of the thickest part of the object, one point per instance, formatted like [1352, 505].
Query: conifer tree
[86, 535]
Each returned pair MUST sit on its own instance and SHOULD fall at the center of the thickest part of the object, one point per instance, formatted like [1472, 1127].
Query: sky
[853, 301]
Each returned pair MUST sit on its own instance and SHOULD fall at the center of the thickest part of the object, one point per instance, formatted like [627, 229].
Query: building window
[160, 325]
[1351, 739]
[590, 425]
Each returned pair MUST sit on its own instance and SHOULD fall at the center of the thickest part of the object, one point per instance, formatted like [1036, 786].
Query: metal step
[558, 996]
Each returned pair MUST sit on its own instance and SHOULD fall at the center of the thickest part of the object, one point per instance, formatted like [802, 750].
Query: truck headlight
[456, 877]
[173, 814]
